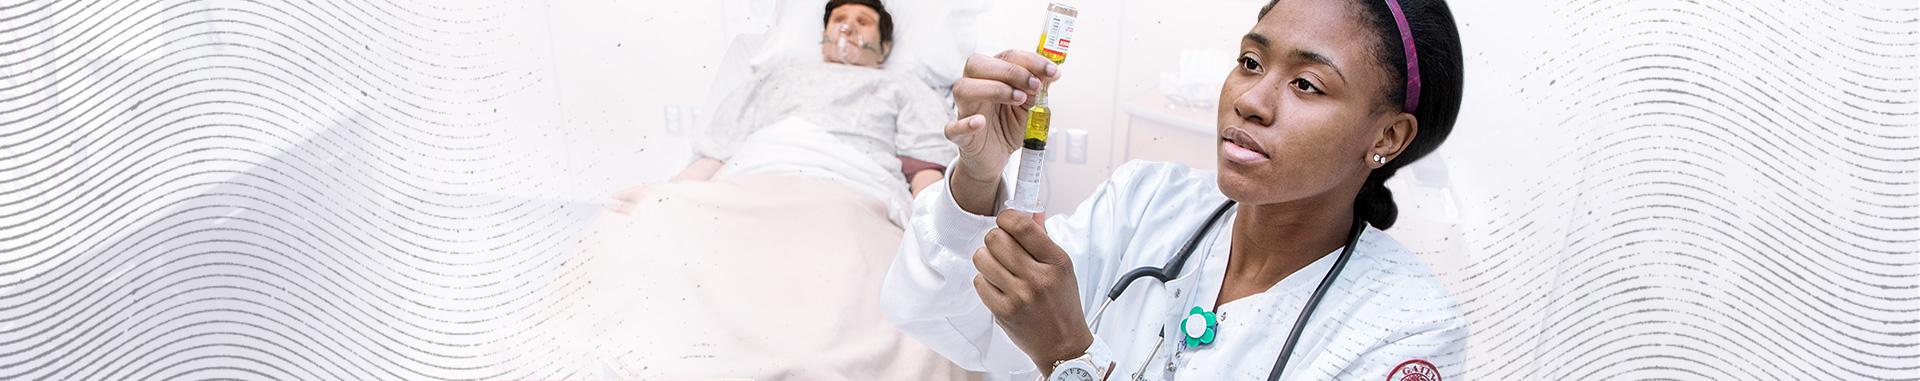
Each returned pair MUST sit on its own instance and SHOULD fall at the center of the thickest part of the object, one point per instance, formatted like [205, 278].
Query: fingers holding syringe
[1045, 70]
[975, 91]
[1008, 68]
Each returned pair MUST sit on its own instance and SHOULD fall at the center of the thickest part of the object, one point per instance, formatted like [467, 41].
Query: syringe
[1054, 38]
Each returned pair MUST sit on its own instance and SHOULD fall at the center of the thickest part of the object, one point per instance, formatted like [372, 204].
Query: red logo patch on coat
[1414, 370]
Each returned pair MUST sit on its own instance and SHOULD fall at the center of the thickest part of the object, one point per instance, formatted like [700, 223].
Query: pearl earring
[1379, 159]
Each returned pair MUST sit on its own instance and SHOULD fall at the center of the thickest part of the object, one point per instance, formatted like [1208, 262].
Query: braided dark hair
[1437, 45]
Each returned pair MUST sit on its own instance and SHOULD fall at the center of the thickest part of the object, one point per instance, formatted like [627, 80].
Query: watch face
[1074, 372]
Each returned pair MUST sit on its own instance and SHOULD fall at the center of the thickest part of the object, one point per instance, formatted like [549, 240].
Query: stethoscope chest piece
[1199, 326]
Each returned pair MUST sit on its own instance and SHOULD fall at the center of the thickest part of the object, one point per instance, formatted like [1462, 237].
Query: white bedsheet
[797, 147]
[748, 277]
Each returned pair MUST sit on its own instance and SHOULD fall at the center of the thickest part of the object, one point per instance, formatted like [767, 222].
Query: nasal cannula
[1054, 38]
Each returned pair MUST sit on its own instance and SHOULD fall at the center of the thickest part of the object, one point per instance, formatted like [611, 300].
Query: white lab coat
[1387, 309]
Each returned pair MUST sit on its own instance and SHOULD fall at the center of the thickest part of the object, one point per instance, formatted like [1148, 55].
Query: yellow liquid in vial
[1038, 118]
[1055, 37]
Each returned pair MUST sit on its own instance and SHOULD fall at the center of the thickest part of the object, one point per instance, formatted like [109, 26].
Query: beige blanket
[758, 277]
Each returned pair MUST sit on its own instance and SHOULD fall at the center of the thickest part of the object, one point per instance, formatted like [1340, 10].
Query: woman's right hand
[992, 99]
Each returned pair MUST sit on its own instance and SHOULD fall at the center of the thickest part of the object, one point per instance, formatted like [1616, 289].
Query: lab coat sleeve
[1440, 348]
[929, 291]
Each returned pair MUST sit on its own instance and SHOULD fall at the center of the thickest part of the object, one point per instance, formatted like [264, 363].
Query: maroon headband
[1413, 59]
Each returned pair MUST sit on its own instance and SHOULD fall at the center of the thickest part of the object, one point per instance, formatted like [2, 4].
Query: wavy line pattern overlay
[276, 190]
[1732, 192]
[348, 190]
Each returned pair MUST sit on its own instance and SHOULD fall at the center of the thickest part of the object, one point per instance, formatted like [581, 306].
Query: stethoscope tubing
[1313, 302]
[1178, 262]
[1164, 273]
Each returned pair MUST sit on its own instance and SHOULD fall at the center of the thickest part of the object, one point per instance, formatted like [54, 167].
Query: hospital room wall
[633, 74]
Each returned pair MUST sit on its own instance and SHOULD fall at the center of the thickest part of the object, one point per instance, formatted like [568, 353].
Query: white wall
[620, 67]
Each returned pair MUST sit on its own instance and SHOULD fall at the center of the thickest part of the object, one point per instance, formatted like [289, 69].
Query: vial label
[1059, 33]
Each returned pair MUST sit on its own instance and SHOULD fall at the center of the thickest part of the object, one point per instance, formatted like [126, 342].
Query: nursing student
[1273, 267]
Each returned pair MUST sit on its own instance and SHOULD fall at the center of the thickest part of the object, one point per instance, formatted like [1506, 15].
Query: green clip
[1199, 315]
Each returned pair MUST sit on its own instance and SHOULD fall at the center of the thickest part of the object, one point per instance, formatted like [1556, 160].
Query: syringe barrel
[1026, 189]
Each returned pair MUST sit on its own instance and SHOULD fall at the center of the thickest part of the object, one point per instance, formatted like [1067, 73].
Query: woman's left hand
[1028, 283]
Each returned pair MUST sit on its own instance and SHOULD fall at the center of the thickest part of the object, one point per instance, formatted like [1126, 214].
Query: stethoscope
[1179, 261]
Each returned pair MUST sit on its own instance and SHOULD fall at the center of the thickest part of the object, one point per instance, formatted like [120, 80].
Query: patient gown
[878, 113]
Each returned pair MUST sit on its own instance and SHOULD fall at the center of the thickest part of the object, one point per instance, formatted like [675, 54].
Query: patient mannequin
[856, 33]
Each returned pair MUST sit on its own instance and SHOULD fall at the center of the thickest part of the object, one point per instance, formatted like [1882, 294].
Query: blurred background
[400, 190]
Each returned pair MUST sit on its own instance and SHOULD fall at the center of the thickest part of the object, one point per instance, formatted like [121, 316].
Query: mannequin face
[852, 37]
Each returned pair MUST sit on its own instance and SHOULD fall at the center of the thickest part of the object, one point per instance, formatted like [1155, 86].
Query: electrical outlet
[679, 119]
[1076, 146]
[672, 119]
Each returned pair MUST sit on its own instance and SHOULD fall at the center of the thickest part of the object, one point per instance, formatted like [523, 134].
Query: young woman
[1287, 272]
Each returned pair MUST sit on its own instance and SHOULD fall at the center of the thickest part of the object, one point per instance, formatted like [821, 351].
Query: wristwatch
[1094, 365]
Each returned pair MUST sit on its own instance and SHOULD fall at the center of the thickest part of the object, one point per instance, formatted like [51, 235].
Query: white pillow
[931, 38]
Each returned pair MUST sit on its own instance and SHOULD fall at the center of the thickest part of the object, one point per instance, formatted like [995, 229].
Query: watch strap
[1098, 355]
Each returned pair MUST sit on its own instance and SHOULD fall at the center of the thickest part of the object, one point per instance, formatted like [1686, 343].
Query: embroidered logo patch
[1414, 370]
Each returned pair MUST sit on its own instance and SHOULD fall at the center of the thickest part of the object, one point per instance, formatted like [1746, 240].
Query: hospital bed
[760, 277]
